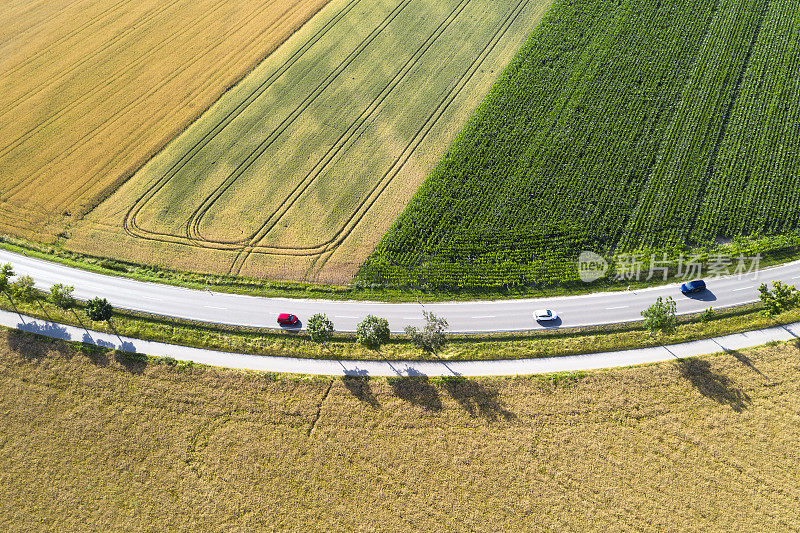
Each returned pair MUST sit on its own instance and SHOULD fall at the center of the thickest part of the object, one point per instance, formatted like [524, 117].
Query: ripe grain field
[94, 441]
[645, 126]
[298, 170]
[90, 89]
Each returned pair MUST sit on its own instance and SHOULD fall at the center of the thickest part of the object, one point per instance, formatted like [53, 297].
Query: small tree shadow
[31, 348]
[135, 363]
[477, 400]
[746, 361]
[417, 390]
[712, 385]
[98, 355]
[47, 329]
[357, 383]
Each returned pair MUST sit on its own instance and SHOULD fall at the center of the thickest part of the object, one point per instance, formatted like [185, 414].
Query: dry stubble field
[299, 170]
[90, 89]
[89, 442]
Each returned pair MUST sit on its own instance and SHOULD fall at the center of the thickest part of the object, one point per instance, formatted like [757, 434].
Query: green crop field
[621, 126]
[298, 171]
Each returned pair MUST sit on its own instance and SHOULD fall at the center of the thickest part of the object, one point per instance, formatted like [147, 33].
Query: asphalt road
[463, 317]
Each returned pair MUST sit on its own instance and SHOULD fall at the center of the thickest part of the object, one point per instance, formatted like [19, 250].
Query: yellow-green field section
[91, 89]
[298, 171]
[92, 441]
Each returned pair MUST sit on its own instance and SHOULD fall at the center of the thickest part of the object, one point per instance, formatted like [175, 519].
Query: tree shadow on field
[476, 399]
[712, 385]
[135, 363]
[358, 385]
[417, 390]
[29, 347]
[742, 358]
[746, 361]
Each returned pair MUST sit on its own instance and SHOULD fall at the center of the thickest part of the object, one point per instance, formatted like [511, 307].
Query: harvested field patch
[297, 171]
[94, 441]
[89, 90]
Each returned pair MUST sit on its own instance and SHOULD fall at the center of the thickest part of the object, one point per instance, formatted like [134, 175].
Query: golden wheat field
[93, 441]
[298, 171]
[91, 89]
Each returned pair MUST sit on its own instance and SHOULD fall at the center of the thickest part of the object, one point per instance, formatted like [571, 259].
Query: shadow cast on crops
[358, 385]
[25, 344]
[477, 400]
[417, 390]
[712, 385]
[135, 363]
[745, 360]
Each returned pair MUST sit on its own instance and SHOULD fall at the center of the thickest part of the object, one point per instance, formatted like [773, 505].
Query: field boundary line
[289, 120]
[129, 223]
[355, 126]
[403, 157]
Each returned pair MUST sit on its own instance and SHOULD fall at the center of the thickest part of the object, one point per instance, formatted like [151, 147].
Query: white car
[544, 315]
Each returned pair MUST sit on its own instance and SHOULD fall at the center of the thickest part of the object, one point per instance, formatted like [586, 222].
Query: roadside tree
[22, 289]
[98, 309]
[373, 331]
[660, 317]
[780, 299]
[320, 328]
[61, 295]
[6, 273]
[432, 337]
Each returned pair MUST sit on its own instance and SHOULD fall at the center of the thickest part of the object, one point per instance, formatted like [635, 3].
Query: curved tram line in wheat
[248, 245]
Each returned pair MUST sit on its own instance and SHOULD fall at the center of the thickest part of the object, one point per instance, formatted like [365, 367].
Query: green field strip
[607, 133]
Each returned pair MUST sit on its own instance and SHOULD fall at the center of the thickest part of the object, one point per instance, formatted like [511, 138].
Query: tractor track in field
[129, 224]
[192, 231]
[344, 139]
[120, 113]
[369, 200]
[244, 247]
[129, 68]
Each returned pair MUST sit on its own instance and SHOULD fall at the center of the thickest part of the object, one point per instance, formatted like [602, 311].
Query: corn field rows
[620, 126]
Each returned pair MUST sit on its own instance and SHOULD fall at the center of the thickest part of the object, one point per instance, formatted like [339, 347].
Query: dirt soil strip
[727, 343]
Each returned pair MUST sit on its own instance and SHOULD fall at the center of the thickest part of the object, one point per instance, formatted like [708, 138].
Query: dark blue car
[692, 287]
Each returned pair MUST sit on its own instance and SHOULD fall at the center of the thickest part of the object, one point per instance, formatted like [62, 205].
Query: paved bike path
[326, 367]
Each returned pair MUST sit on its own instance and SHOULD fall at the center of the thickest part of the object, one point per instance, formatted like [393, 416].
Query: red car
[285, 319]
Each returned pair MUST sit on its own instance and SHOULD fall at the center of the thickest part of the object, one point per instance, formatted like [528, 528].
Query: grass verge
[357, 291]
[548, 343]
